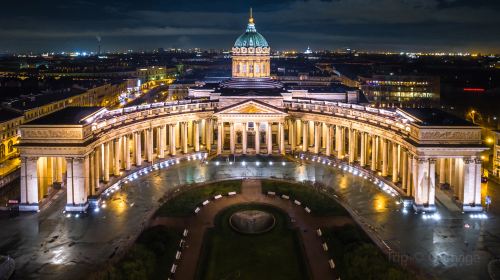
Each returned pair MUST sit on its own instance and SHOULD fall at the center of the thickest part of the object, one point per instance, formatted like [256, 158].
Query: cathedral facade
[412, 150]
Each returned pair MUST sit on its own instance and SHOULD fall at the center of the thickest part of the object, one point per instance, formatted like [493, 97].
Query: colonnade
[415, 174]
[259, 137]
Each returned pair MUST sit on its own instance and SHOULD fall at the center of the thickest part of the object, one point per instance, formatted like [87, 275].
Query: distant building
[9, 133]
[496, 154]
[35, 106]
[154, 73]
[401, 90]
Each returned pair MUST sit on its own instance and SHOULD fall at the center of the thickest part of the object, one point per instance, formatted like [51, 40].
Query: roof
[435, 117]
[251, 38]
[66, 116]
[251, 92]
[249, 101]
[35, 101]
[6, 115]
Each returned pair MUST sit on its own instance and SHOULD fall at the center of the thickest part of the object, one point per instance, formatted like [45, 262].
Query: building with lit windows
[401, 90]
[9, 133]
[409, 152]
[496, 154]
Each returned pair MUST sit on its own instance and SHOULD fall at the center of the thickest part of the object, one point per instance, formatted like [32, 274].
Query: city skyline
[389, 25]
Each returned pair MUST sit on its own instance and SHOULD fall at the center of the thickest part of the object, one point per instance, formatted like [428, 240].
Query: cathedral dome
[251, 38]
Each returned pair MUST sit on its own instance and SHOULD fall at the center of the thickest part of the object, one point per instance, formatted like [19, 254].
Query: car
[484, 179]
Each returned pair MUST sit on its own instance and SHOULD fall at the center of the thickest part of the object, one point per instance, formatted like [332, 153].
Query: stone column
[138, 148]
[472, 185]
[126, 152]
[282, 137]
[59, 169]
[269, 135]
[196, 132]
[220, 136]
[232, 136]
[162, 130]
[395, 163]
[305, 136]
[352, 145]
[189, 128]
[298, 133]
[317, 137]
[310, 129]
[106, 162]
[324, 135]
[203, 128]
[92, 173]
[404, 169]
[374, 153]
[442, 171]
[209, 137]
[328, 144]
[384, 158]
[244, 138]
[257, 138]
[29, 184]
[425, 183]
[75, 187]
[178, 135]
[291, 134]
[116, 169]
[173, 138]
[97, 167]
[362, 160]
[149, 144]
[339, 143]
[184, 137]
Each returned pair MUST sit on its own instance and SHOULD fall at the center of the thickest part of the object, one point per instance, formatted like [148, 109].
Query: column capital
[468, 160]
[432, 160]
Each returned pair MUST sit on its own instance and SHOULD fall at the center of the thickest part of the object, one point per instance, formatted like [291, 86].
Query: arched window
[256, 68]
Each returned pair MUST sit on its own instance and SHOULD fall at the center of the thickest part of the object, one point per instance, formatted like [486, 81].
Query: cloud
[285, 23]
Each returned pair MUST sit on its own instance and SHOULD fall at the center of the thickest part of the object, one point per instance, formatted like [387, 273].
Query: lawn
[356, 257]
[184, 203]
[319, 203]
[276, 254]
[150, 257]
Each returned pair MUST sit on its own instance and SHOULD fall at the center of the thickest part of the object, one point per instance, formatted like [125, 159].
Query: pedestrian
[488, 202]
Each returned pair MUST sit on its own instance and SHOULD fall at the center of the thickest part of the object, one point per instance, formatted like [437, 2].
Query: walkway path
[251, 191]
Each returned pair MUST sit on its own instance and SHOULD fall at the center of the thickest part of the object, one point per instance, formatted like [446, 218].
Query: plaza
[385, 168]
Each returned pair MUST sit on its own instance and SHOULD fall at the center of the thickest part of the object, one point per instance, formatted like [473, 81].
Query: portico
[252, 127]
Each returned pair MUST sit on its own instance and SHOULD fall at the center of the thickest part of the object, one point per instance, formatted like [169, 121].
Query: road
[48, 245]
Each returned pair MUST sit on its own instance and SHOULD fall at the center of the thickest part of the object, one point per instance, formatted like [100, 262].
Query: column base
[472, 208]
[34, 207]
[424, 208]
[76, 207]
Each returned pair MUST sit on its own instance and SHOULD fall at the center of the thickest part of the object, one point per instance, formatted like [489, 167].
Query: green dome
[251, 38]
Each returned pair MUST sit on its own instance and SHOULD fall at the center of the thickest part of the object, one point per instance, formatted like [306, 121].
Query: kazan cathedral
[90, 150]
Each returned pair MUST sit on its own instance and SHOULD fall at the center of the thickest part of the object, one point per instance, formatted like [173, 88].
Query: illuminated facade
[251, 54]
[401, 90]
[496, 154]
[412, 150]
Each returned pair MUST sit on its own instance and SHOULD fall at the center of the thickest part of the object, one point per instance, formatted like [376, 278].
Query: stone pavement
[251, 192]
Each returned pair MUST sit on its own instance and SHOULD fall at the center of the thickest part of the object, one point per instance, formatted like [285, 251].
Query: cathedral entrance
[251, 139]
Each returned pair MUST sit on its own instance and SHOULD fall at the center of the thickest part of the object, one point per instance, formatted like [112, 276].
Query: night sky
[373, 25]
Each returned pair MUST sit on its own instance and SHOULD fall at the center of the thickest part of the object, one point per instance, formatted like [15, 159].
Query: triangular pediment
[251, 107]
